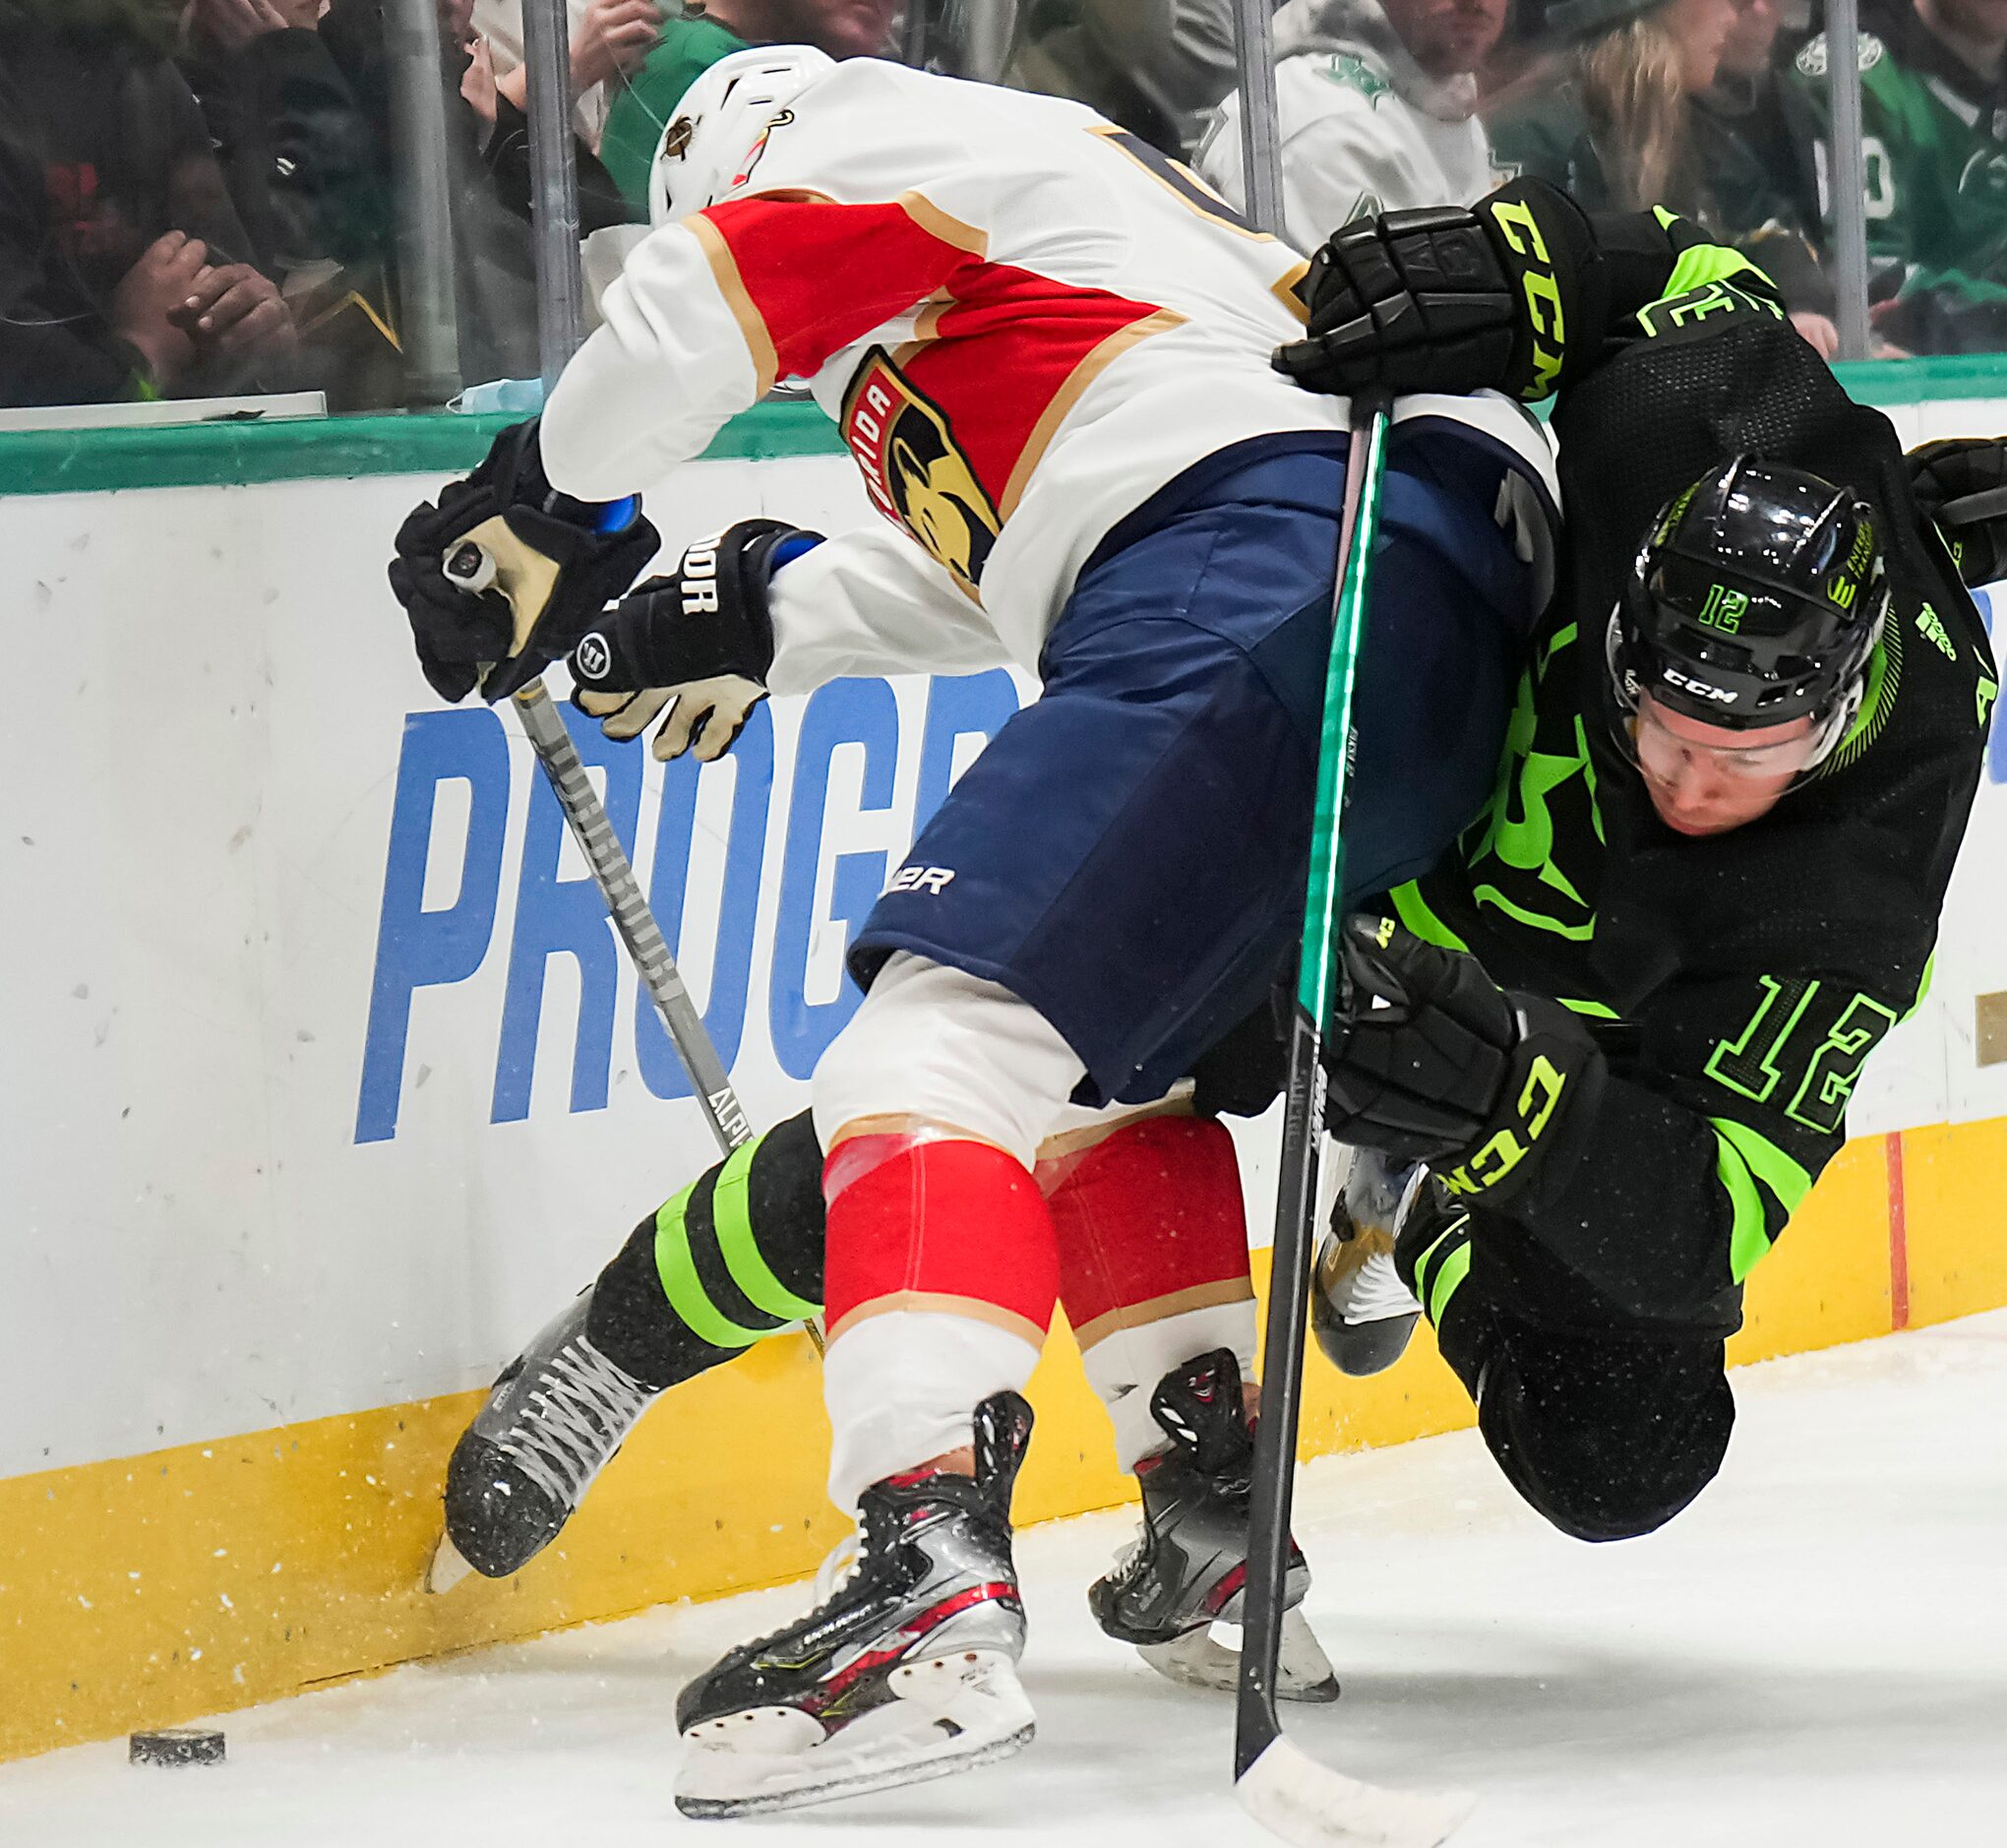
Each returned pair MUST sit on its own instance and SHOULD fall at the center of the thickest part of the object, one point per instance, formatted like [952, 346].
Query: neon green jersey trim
[1744, 1158]
[734, 1225]
[1709, 263]
[1416, 915]
[1455, 1267]
[685, 1288]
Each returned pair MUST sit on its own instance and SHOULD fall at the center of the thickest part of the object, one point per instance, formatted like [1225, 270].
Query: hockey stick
[1278, 1784]
[493, 558]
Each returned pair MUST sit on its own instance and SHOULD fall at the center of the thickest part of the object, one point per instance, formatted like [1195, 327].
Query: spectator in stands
[1376, 103]
[610, 40]
[308, 174]
[124, 268]
[1616, 120]
[1933, 83]
[1157, 67]
[1754, 141]
[494, 262]
[1613, 120]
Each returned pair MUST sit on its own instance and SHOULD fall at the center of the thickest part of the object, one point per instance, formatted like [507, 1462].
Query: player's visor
[1667, 754]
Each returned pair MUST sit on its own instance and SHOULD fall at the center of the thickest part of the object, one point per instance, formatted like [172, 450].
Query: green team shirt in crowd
[1934, 136]
[1736, 983]
[643, 105]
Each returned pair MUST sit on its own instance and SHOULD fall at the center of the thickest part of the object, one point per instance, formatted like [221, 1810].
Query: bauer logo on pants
[915, 472]
[921, 879]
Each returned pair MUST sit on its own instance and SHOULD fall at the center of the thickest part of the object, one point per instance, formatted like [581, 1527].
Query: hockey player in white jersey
[1048, 350]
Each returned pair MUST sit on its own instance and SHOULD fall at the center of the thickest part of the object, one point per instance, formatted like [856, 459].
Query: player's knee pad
[1153, 1241]
[734, 1256]
[932, 1044]
[1605, 1439]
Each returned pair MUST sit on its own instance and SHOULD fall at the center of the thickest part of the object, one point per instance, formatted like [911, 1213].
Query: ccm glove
[503, 574]
[698, 643]
[1438, 1064]
[1441, 299]
[1961, 486]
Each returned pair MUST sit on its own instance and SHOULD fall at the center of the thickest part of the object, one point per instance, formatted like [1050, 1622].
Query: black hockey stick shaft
[1257, 1725]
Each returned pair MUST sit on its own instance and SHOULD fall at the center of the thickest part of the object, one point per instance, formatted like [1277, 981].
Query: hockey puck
[177, 1744]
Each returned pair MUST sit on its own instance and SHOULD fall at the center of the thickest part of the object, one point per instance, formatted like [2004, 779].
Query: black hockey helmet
[1756, 598]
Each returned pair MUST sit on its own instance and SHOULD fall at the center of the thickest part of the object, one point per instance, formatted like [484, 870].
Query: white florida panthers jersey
[1024, 321]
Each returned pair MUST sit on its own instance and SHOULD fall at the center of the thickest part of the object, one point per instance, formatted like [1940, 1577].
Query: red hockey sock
[1153, 1261]
[1149, 1223]
[948, 1225]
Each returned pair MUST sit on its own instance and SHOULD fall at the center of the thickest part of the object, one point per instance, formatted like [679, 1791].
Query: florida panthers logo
[915, 472]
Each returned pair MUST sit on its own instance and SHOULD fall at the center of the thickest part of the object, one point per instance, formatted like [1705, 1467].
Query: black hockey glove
[505, 572]
[698, 641]
[1443, 299]
[1961, 486]
[1438, 1064]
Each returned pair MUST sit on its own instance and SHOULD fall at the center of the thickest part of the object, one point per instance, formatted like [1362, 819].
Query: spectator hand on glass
[232, 311]
[614, 37]
[147, 306]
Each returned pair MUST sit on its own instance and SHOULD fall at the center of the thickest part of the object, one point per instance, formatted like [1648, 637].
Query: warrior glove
[698, 643]
[1436, 1063]
[1443, 299]
[501, 577]
[1961, 486]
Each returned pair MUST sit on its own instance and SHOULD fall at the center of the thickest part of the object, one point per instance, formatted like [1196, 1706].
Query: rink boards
[330, 1084]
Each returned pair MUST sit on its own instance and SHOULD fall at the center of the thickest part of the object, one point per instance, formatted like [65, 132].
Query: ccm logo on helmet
[1687, 683]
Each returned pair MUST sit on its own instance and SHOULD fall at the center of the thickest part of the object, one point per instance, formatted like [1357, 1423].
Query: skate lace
[573, 1419]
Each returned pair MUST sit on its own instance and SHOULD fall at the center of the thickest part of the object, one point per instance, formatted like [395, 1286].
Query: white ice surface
[1813, 1656]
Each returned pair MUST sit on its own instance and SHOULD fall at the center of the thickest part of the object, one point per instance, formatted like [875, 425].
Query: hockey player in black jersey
[1620, 1025]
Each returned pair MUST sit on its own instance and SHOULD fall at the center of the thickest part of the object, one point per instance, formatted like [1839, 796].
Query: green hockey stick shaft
[1303, 1122]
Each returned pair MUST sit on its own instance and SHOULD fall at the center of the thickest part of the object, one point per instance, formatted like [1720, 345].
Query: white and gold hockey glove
[696, 644]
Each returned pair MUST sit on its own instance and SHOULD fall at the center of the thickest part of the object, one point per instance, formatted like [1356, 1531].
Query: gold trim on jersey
[1096, 361]
[943, 224]
[1178, 1303]
[941, 1303]
[738, 299]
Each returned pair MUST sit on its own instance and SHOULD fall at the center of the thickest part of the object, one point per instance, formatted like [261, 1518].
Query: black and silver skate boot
[1361, 1313]
[907, 1672]
[559, 1411]
[1187, 1569]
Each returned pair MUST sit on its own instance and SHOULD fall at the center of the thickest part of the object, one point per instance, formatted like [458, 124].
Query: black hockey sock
[733, 1257]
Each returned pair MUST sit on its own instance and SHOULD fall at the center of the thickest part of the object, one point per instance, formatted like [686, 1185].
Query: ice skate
[1363, 1313]
[1187, 1569]
[908, 1671]
[552, 1421]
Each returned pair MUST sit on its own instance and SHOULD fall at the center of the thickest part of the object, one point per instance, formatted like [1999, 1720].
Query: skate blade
[446, 1567]
[1197, 1659]
[1292, 1796]
[952, 1715]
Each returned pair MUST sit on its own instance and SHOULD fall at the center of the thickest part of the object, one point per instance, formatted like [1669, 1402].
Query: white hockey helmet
[722, 121]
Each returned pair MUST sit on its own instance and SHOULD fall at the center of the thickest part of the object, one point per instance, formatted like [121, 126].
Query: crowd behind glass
[199, 198]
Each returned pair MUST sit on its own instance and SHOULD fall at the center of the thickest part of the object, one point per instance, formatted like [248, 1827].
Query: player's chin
[1698, 827]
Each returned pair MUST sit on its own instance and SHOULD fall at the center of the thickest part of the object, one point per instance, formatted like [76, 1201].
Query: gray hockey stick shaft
[613, 873]
[647, 948]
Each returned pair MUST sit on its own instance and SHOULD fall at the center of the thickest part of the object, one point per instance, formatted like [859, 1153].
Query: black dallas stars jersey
[1736, 983]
